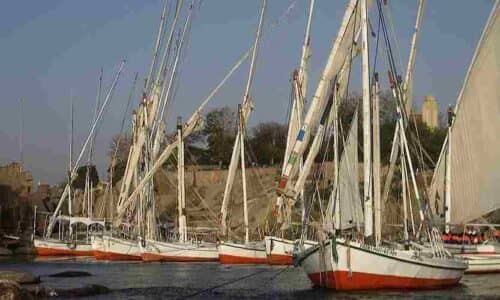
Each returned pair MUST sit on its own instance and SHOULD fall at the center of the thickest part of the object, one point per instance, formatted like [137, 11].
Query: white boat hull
[360, 267]
[279, 251]
[181, 252]
[113, 248]
[54, 247]
[232, 253]
[482, 259]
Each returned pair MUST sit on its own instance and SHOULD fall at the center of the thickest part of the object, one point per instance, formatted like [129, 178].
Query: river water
[138, 280]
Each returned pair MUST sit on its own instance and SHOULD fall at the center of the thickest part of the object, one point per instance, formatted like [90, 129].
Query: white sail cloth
[475, 135]
[349, 201]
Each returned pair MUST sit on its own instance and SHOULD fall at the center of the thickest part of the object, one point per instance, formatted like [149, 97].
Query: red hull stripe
[232, 259]
[278, 259]
[159, 257]
[42, 251]
[101, 255]
[343, 281]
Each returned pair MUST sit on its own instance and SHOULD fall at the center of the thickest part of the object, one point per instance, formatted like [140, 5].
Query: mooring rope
[222, 284]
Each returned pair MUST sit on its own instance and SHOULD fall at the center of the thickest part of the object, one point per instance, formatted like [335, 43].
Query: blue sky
[51, 49]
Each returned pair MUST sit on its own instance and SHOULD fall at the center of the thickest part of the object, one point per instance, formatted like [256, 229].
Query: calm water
[214, 281]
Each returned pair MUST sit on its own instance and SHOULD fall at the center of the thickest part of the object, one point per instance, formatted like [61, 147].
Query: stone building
[430, 112]
[15, 189]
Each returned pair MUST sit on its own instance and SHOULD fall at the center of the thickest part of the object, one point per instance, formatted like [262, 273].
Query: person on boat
[475, 239]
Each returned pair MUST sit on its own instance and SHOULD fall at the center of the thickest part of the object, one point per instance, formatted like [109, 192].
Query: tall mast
[173, 72]
[97, 103]
[82, 151]
[336, 203]
[246, 107]
[163, 62]
[88, 183]
[70, 198]
[299, 89]
[157, 45]
[447, 176]
[407, 98]
[411, 59]
[21, 132]
[376, 161]
[181, 196]
[404, 177]
[339, 50]
[367, 143]
[243, 173]
[306, 52]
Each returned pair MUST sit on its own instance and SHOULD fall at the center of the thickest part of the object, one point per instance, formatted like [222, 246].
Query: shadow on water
[136, 280]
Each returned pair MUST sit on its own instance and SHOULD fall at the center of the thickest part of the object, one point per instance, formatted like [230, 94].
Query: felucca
[134, 220]
[352, 259]
[465, 186]
[71, 239]
[179, 246]
[249, 252]
[279, 250]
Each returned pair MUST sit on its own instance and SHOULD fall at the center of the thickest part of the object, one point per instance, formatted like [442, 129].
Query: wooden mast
[367, 142]
[376, 161]
[181, 196]
[246, 108]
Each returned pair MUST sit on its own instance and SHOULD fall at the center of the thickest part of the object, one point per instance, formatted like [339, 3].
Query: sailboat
[352, 259]
[249, 252]
[181, 249]
[465, 185]
[135, 217]
[279, 250]
[70, 240]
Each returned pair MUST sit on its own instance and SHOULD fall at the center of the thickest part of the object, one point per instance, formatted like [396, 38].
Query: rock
[19, 277]
[86, 291]
[5, 252]
[71, 274]
[11, 290]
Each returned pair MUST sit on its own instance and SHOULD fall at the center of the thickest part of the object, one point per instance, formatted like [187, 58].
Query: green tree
[79, 182]
[219, 132]
[268, 143]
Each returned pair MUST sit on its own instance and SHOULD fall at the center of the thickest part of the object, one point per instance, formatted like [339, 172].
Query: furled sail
[474, 135]
[349, 201]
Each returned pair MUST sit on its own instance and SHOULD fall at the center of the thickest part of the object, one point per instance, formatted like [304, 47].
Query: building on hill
[430, 112]
[15, 206]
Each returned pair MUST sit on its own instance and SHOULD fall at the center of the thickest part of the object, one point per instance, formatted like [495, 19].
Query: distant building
[20, 181]
[430, 112]
[16, 212]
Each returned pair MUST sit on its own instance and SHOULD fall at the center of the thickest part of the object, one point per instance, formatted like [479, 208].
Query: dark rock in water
[11, 290]
[19, 277]
[88, 290]
[71, 274]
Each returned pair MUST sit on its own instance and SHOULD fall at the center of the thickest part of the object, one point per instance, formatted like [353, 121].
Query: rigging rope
[224, 284]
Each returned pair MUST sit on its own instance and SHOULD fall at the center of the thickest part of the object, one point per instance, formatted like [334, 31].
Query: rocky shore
[16, 285]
